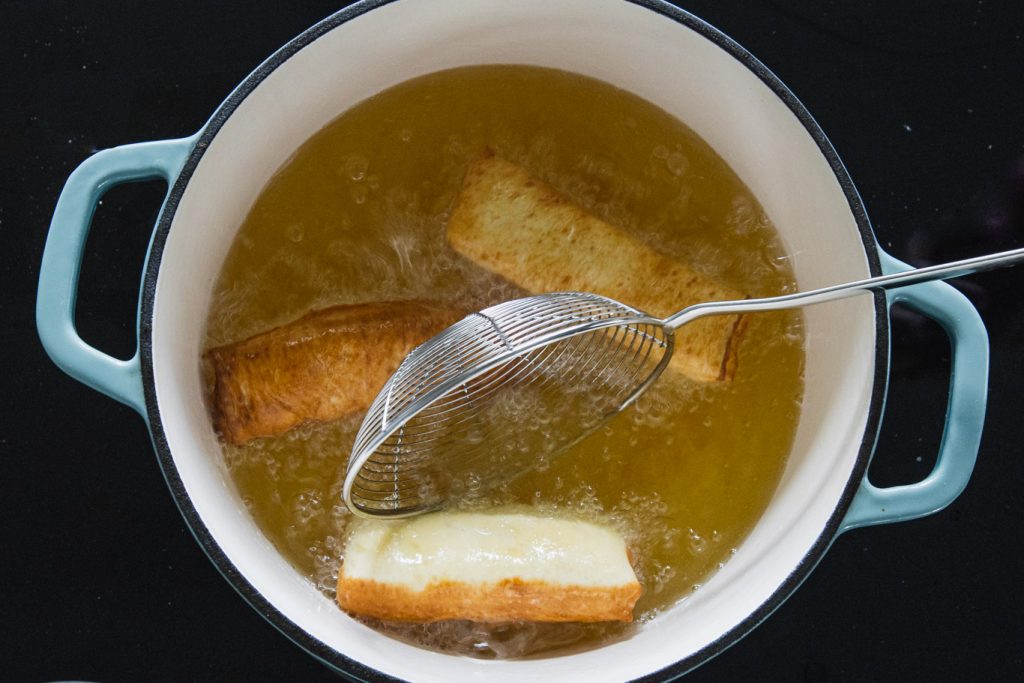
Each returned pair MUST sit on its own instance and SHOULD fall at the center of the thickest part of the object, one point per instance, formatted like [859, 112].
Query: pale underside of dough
[487, 566]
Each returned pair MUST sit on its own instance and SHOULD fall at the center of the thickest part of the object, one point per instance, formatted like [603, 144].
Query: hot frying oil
[358, 214]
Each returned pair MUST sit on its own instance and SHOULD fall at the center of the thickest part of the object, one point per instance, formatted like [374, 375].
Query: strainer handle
[905, 277]
[965, 410]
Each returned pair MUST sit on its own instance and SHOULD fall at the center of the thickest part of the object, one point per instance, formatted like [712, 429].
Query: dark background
[100, 578]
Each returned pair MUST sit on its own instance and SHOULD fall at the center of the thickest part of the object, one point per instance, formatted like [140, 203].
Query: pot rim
[328, 655]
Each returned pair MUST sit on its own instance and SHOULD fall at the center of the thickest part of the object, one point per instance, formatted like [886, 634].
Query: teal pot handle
[62, 262]
[965, 410]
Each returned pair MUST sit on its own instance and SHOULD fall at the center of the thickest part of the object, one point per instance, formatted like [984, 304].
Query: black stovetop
[101, 578]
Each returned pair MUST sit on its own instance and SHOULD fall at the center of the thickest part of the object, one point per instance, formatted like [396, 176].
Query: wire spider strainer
[519, 382]
[494, 393]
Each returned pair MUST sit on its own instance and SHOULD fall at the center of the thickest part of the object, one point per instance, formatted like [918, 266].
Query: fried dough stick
[518, 227]
[487, 567]
[324, 366]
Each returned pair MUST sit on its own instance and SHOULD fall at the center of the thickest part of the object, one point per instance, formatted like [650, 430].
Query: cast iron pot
[647, 47]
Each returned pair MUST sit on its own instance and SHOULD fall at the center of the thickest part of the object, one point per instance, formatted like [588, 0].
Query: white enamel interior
[628, 46]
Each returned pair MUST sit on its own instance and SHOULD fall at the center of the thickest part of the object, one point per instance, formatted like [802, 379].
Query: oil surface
[358, 214]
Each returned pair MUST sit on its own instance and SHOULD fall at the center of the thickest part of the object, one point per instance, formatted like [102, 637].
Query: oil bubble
[356, 167]
[677, 163]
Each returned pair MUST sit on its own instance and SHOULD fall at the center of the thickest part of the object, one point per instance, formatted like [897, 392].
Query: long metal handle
[943, 271]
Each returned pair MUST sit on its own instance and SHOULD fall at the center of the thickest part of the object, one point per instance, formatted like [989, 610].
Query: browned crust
[518, 227]
[324, 366]
[508, 600]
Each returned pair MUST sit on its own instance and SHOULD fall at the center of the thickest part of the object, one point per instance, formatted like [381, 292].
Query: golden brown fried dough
[324, 366]
[518, 227]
